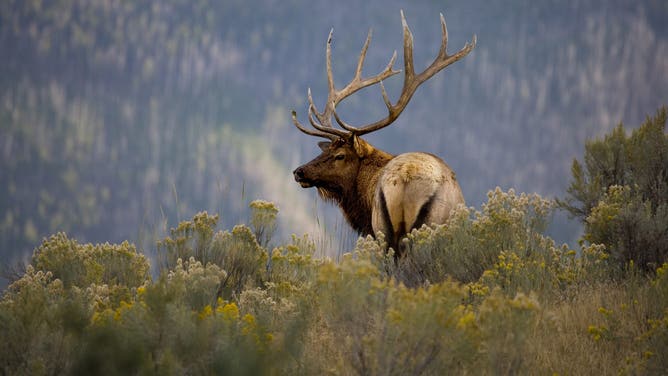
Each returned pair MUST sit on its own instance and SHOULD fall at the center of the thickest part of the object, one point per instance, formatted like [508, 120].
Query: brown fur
[376, 191]
[363, 178]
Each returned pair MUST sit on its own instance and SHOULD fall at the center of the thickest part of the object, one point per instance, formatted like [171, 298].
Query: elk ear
[362, 148]
[324, 145]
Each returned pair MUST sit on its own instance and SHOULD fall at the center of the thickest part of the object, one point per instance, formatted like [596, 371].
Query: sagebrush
[487, 293]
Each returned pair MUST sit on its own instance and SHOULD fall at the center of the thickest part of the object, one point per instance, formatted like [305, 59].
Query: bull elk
[377, 191]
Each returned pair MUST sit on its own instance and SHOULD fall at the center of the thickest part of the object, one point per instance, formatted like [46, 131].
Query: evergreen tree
[621, 193]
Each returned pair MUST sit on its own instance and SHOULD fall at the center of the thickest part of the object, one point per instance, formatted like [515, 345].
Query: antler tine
[356, 84]
[409, 69]
[325, 129]
[411, 80]
[311, 132]
[360, 62]
[322, 122]
[313, 110]
[330, 76]
[321, 131]
[444, 39]
[351, 88]
[393, 110]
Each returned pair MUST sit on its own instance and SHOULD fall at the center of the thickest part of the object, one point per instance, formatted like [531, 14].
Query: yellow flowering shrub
[293, 263]
[471, 240]
[189, 239]
[487, 293]
[196, 285]
[227, 311]
[40, 322]
[85, 264]
[506, 326]
[263, 220]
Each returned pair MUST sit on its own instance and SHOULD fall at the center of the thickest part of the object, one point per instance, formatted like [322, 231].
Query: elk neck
[356, 202]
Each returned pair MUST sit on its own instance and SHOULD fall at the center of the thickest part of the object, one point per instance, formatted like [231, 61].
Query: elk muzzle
[300, 177]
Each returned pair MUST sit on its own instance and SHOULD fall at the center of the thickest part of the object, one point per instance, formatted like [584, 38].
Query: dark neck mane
[357, 210]
[356, 201]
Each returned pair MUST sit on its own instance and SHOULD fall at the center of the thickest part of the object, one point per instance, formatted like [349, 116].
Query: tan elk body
[376, 191]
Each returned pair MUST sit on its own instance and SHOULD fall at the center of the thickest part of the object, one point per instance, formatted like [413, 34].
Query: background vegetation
[118, 118]
[486, 293]
[621, 193]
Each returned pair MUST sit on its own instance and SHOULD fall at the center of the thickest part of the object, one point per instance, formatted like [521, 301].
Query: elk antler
[323, 123]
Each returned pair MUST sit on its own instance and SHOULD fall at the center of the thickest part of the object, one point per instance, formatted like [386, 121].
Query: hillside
[118, 119]
[487, 294]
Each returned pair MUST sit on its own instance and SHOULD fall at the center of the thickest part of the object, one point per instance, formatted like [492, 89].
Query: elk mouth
[305, 183]
[302, 179]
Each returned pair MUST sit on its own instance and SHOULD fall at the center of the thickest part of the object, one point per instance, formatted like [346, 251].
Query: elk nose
[298, 174]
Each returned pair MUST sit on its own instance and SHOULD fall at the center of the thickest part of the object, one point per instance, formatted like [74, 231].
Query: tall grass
[487, 293]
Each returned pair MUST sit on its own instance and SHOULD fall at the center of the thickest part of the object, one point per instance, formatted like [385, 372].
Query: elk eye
[339, 157]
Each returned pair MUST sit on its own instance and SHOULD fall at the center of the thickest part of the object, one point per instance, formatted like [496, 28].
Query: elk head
[349, 171]
[338, 163]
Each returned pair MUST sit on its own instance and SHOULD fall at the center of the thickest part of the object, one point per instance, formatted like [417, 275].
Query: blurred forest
[120, 118]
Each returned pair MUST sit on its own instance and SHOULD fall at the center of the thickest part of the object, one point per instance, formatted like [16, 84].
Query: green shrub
[190, 239]
[621, 193]
[84, 264]
[235, 252]
[41, 323]
[630, 227]
[263, 220]
[471, 241]
[506, 325]
[486, 294]
[376, 326]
